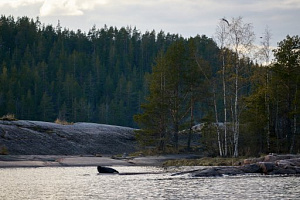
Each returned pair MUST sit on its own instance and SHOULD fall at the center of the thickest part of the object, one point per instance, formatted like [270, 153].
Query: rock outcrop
[275, 164]
[44, 138]
[268, 165]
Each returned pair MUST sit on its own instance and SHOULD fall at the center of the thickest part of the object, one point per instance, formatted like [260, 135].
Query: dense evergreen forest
[48, 72]
[162, 83]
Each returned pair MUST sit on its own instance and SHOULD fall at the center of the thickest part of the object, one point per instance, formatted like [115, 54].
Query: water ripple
[138, 183]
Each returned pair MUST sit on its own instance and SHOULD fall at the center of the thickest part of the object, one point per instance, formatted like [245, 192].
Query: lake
[86, 183]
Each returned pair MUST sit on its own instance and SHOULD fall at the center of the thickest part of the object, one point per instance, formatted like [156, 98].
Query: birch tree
[222, 36]
[265, 54]
[240, 41]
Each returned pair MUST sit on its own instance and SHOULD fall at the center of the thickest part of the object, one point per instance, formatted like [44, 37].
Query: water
[86, 183]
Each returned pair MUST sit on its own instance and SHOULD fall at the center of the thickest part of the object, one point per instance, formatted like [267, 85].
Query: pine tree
[154, 121]
[46, 108]
[286, 78]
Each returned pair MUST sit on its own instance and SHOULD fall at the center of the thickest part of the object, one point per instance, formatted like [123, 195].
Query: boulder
[266, 167]
[217, 171]
[206, 172]
[270, 158]
[275, 157]
[288, 162]
[271, 165]
[247, 161]
[283, 171]
[251, 168]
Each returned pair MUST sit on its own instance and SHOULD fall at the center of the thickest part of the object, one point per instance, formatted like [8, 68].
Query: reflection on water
[86, 183]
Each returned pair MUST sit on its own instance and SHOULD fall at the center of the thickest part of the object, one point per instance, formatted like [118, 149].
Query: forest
[49, 72]
[159, 82]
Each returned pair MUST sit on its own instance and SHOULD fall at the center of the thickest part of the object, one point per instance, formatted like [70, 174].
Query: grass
[206, 161]
[8, 117]
[63, 122]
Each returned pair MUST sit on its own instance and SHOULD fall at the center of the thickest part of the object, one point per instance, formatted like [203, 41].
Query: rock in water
[106, 170]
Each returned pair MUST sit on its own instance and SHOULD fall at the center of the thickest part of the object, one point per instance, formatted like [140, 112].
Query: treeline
[168, 83]
[241, 107]
[49, 72]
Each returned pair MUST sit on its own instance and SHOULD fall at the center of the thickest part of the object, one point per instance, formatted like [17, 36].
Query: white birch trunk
[217, 125]
[236, 124]
[225, 109]
[268, 110]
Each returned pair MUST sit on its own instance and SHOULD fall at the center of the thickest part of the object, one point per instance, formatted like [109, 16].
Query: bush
[63, 122]
[8, 117]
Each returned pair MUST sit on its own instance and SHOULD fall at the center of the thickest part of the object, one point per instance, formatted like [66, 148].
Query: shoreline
[268, 165]
[17, 161]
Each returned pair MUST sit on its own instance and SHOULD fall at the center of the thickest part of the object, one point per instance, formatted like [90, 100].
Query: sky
[184, 17]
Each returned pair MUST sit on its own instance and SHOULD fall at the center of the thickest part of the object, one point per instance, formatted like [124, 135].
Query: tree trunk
[267, 102]
[236, 116]
[191, 122]
[295, 122]
[217, 124]
[176, 128]
[225, 107]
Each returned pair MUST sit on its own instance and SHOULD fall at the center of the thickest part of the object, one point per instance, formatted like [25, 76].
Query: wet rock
[217, 171]
[283, 171]
[251, 168]
[206, 172]
[266, 167]
[274, 165]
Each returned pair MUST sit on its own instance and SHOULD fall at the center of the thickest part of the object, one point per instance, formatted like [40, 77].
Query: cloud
[68, 7]
[185, 17]
[19, 8]
[18, 3]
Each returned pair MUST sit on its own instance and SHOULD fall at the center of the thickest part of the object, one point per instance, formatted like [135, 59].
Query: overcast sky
[183, 17]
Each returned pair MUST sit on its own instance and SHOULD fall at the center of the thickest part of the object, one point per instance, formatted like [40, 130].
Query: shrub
[8, 117]
[63, 122]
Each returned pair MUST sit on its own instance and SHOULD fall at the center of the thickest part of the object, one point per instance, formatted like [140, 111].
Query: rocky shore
[46, 144]
[85, 160]
[269, 165]
[40, 144]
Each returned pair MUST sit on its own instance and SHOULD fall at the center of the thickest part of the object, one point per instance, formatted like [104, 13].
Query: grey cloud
[29, 8]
